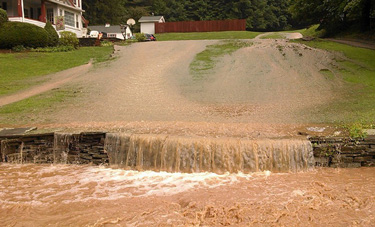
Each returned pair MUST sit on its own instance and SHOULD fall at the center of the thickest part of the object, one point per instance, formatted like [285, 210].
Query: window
[39, 11]
[61, 12]
[50, 16]
[26, 13]
[69, 18]
[77, 23]
[111, 35]
[32, 13]
[4, 6]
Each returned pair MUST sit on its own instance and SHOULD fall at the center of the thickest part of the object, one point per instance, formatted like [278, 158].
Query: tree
[104, 11]
[334, 15]
[260, 14]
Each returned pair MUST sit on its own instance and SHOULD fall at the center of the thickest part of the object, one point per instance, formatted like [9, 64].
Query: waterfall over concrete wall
[182, 154]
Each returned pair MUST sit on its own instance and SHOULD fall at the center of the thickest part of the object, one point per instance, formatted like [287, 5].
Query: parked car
[94, 34]
[150, 37]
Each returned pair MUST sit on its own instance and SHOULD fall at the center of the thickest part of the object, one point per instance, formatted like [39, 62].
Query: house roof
[151, 19]
[67, 4]
[110, 29]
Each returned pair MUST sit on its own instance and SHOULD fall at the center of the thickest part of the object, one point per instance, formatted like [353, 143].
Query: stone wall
[83, 148]
[27, 149]
[343, 152]
[88, 148]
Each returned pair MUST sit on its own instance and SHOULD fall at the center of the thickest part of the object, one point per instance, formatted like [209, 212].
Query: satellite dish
[131, 21]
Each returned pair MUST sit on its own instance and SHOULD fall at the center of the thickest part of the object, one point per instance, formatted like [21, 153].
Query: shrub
[53, 37]
[54, 49]
[18, 48]
[69, 39]
[106, 43]
[3, 16]
[140, 37]
[356, 131]
[17, 33]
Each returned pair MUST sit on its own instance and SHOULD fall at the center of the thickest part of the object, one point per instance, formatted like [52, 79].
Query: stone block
[348, 149]
[370, 163]
[100, 156]
[346, 165]
[347, 159]
[362, 159]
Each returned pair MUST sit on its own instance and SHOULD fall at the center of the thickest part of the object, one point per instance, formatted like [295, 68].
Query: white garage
[148, 23]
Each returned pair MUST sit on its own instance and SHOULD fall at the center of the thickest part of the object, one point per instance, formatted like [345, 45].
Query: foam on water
[71, 183]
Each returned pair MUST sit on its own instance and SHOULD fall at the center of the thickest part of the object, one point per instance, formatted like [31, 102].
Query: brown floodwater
[72, 195]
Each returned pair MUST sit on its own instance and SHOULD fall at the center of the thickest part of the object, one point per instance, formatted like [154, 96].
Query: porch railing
[28, 20]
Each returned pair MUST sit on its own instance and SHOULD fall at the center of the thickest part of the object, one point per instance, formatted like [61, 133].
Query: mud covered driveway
[268, 82]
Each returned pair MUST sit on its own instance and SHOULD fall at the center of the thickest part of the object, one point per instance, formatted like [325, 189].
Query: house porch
[38, 12]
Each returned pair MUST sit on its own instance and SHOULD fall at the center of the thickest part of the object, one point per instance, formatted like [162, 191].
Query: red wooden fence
[201, 26]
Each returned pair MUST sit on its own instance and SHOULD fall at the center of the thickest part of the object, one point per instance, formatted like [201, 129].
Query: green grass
[207, 35]
[357, 68]
[206, 60]
[30, 109]
[275, 35]
[23, 70]
[311, 31]
[327, 73]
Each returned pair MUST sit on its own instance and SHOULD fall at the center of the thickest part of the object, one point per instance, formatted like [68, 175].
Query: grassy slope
[207, 35]
[22, 70]
[312, 31]
[28, 110]
[358, 69]
[206, 60]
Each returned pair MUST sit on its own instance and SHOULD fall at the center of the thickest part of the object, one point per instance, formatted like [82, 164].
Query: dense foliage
[3, 16]
[262, 15]
[140, 37]
[22, 34]
[53, 37]
[68, 39]
[335, 15]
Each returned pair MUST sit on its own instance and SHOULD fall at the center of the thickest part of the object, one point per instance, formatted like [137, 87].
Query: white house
[65, 15]
[114, 31]
[148, 23]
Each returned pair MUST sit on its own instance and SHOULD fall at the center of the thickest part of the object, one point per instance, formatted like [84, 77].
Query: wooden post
[19, 5]
[43, 14]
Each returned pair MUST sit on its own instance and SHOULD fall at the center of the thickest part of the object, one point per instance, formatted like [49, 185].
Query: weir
[63, 143]
[189, 155]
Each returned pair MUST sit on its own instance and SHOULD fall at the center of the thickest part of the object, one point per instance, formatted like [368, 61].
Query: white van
[94, 34]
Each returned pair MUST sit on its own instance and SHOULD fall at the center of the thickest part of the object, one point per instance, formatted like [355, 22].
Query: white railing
[78, 32]
[27, 20]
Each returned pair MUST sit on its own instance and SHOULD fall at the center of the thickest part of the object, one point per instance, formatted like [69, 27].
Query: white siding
[148, 28]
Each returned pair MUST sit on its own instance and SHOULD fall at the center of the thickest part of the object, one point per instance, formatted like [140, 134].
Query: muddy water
[69, 195]
[189, 155]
